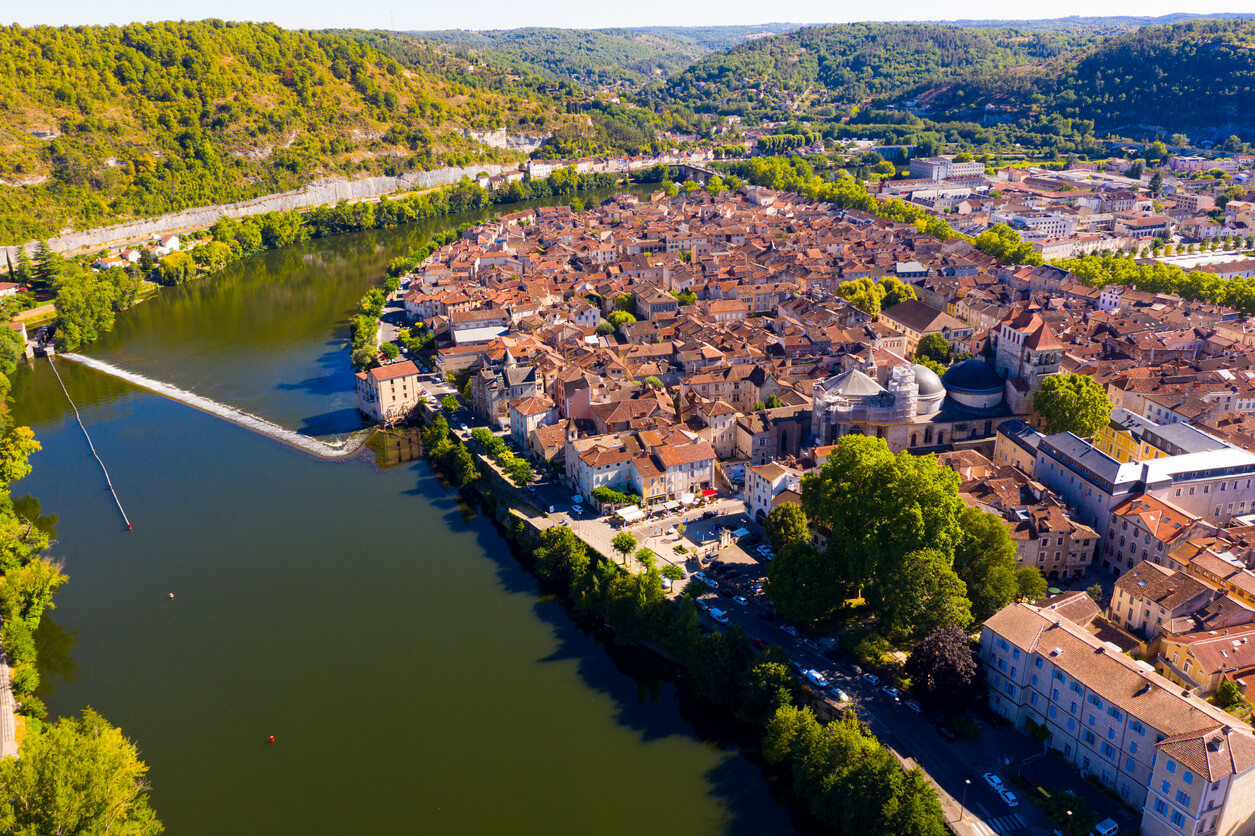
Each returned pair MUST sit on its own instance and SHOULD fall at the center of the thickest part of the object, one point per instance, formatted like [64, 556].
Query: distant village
[674, 346]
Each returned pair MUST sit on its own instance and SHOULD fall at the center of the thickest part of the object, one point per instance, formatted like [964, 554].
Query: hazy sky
[505, 14]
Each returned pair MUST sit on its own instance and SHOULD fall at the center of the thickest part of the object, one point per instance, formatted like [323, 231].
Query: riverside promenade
[8, 720]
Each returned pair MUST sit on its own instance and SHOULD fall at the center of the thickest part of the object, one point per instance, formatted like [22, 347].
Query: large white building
[388, 393]
[1188, 765]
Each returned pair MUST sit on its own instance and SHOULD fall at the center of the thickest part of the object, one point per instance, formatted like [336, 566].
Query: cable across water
[79, 418]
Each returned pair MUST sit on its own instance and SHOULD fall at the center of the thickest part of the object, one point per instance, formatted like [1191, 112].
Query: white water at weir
[334, 450]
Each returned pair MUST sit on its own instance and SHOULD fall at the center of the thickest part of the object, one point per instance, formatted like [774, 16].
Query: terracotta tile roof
[402, 369]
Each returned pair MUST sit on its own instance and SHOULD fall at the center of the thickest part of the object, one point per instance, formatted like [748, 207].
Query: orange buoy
[171, 596]
[272, 738]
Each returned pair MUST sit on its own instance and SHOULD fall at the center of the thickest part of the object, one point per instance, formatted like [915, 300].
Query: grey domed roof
[929, 383]
[972, 376]
[852, 384]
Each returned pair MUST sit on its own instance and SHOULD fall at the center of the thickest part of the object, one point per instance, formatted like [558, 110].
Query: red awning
[709, 493]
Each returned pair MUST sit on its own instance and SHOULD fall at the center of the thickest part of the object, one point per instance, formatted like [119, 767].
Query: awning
[631, 516]
[671, 506]
[688, 498]
[708, 493]
[630, 509]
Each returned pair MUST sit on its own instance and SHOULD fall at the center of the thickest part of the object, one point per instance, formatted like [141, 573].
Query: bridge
[697, 173]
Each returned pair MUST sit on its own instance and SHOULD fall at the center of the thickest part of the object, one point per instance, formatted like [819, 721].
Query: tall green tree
[47, 267]
[934, 347]
[1072, 403]
[985, 560]
[624, 543]
[786, 525]
[78, 776]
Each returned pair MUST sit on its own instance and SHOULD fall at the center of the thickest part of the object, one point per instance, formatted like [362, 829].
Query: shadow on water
[603, 664]
[54, 646]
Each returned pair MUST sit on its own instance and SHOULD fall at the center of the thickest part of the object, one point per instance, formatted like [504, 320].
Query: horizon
[377, 15]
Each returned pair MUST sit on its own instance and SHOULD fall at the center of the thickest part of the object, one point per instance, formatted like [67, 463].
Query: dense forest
[104, 123]
[1197, 77]
[821, 69]
[602, 57]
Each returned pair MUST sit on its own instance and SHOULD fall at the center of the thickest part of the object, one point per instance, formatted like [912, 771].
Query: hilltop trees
[1072, 403]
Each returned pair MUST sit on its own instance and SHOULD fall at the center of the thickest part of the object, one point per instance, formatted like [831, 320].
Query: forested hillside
[600, 58]
[593, 57]
[1197, 76]
[835, 66]
[104, 123]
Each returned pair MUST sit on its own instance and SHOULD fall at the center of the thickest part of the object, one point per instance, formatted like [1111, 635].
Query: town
[659, 356]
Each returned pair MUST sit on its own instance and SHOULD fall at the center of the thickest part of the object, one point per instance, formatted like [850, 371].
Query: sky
[575, 14]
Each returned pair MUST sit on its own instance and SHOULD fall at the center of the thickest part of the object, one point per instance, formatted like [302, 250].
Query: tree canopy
[1072, 403]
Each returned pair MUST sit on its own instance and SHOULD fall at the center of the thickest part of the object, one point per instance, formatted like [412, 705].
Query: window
[1052, 712]
[1094, 701]
[1034, 680]
[1108, 751]
[1178, 820]
[1071, 724]
[1091, 721]
[1088, 736]
[1010, 690]
[1133, 748]
[1032, 699]
[1183, 798]
[1171, 766]
[1136, 726]
[1037, 663]
[1188, 777]
[1130, 765]
[1111, 734]
[1166, 788]
[1115, 713]
[1160, 807]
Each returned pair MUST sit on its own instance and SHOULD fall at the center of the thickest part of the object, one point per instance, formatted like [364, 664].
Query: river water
[412, 675]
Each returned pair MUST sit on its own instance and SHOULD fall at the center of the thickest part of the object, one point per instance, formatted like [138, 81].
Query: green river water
[414, 678]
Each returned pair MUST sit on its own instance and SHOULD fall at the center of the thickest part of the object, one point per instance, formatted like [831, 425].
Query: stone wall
[328, 191]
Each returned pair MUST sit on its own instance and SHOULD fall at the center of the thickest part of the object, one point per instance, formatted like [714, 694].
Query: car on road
[813, 645]
[871, 679]
[1009, 797]
[797, 666]
[817, 679]
[766, 615]
[914, 706]
[710, 515]
[742, 600]
[701, 605]
[993, 781]
[759, 643]
[891, 692]
[719, 615]
[839, 695]
[577, 509]
[945, 732]
[789, 629]
[666, 583]
[702, 576]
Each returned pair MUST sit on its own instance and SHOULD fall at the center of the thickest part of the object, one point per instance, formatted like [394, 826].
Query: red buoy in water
[272, 738]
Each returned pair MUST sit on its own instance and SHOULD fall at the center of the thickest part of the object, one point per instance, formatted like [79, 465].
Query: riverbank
[874, 791]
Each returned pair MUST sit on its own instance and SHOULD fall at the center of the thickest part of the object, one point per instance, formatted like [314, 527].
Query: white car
[577, 509]
[1008, 797]
[839, 695]
[742, 600]
[666, 583]
[789, 629]
[719, 615]
[993, 781]
[871, 679]
[817, 679]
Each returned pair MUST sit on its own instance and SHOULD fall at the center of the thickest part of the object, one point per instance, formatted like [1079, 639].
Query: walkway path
[8, 722]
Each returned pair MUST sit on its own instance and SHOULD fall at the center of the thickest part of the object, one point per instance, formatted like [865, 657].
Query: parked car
[666, 583]
[701, 605]
[703, 577]
[813, 645]
[871, 679]
[891, 692]
[709, 515]
[719, 615]
[742, 600]
[759, 643]
[839, 695]
[577, 509]
[1009, 797]
[945, 732]
[914, 706]
[993, 781]
[790, 629]
[797, 666]
[817, 679]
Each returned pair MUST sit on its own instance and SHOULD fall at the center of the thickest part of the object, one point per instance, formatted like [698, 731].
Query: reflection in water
[54, 644]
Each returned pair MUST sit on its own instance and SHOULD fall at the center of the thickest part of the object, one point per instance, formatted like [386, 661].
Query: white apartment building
[1187, 764]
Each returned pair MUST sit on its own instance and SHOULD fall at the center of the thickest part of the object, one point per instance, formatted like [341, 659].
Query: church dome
[929, 383]
[974, 376]
[973, 384]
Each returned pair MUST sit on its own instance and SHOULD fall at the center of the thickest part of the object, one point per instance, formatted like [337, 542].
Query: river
[414, 678]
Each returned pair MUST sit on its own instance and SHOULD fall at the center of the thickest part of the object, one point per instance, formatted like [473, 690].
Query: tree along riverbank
[845, 778]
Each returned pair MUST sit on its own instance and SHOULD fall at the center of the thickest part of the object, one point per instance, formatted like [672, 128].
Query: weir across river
[340, 449]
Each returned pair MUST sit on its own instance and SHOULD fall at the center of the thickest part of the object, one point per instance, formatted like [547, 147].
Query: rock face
[527, 143]
[317, 193]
